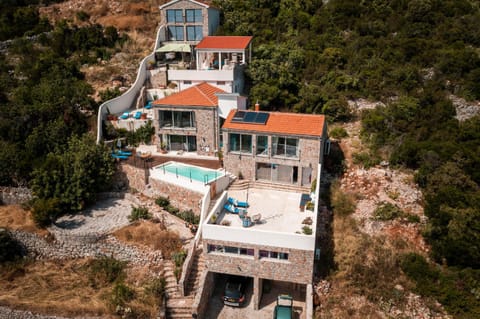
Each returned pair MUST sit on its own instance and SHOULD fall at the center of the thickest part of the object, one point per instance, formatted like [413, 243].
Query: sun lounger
[149, 105]
[137, 115]
[232, 209]
[237, 203]
[119, 156]
[125, 116]
[124, 153]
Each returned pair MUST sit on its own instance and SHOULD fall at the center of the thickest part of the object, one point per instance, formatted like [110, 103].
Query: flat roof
[280, 210]
[224, 42]
[281, 123]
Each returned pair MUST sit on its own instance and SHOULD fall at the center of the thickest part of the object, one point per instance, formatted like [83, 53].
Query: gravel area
[103, 217]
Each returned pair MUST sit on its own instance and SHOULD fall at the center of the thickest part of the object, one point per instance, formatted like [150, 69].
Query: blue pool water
[197, 173]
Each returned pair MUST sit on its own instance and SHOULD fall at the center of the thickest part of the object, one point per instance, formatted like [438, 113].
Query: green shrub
[139, 213]
[338, 132]
[366, 159]
[172, 209]
[10, 249]
[343, 203]
[106, 270]
[314, 186]
[387, 211]
[189, 216]
[178, 258]
[121, 294]
[306, 230]
[156, 287]
[45, 211]
[162, 201]
[82, 15]
[411, 218]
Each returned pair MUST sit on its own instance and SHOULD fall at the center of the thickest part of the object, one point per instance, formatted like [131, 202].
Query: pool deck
[280, 210]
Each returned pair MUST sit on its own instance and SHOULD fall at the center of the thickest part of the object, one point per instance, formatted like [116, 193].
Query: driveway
[216, 308]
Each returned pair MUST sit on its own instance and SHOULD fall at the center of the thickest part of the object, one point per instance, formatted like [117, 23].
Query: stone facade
[128, 177]
[180, 197]
[207, 23]
[310, 154]
[297, 269]
[206, 128]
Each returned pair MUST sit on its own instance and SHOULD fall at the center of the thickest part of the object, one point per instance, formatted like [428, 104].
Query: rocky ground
[338, 296]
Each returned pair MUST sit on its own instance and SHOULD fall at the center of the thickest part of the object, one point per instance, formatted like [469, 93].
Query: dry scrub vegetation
[16, 218]
[150, 234]
[52, 287]
[137, 19]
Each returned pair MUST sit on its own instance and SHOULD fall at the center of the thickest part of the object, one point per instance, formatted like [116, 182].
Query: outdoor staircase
[239, 184]
[179, 307]
[281, 187]
[198, 266]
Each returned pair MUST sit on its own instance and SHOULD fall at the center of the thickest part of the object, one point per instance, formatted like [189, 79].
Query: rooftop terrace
[280, 211]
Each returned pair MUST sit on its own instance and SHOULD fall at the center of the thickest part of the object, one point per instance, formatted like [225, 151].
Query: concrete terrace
[280, 210]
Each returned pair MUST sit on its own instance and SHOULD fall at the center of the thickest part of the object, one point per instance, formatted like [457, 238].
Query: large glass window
[262, 145]
[194, 15]
[182, 143]
[176, 119]
[230, 250]
[273, 255]
[175, 33]
[174, 16]
[194, 33]
[240, 143]
[283, 146]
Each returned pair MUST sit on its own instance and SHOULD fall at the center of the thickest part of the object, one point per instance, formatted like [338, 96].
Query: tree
[75, 174]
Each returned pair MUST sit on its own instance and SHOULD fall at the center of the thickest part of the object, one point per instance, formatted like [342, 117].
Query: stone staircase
[280, 187]
[239, 184]
[180, 307]
[198, 266]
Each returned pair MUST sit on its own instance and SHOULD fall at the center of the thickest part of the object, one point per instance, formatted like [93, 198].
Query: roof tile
[202, 94]
[282, 123]
[224, 42]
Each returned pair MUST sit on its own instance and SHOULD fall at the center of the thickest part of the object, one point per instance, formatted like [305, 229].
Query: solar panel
[261, 118]
[238, 117]
[250, 117]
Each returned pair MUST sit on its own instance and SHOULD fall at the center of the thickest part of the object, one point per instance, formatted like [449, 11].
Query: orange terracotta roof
[202, 94]
[281, 123]
[224, 42]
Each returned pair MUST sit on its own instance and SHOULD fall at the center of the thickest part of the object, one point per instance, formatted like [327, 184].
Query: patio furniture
[119, 156]
[256, 218]
[237, 203]
[232, 209]
[247, 222]
[125, 115]
[124, 153]
[149, 105]
[303, 201]
[137, 115]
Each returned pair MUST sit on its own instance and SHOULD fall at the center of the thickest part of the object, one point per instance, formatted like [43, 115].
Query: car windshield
[232, 290]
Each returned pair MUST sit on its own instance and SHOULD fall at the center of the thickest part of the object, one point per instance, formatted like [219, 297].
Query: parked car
[234, 292]
[284, 307]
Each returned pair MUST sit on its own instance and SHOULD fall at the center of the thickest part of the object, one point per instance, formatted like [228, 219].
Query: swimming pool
[200, 174]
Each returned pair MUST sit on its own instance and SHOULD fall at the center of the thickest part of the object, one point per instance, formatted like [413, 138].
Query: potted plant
[163, 148]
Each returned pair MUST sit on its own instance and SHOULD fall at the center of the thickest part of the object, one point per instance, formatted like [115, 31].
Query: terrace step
[198, 266]
[280, 187]
[239, 184]
[179, 307]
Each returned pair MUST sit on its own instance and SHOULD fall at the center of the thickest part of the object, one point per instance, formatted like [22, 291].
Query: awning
[175, 47]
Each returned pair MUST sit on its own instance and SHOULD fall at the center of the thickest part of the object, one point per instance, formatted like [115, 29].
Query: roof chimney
[257, 107]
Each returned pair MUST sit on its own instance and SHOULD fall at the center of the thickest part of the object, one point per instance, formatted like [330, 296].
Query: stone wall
[187, 5]
[81, 246]
[7, 313]
[206, 130]
[15, 195]
[205, 291]
[298, 268]
[180, 197]
[128, 177]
